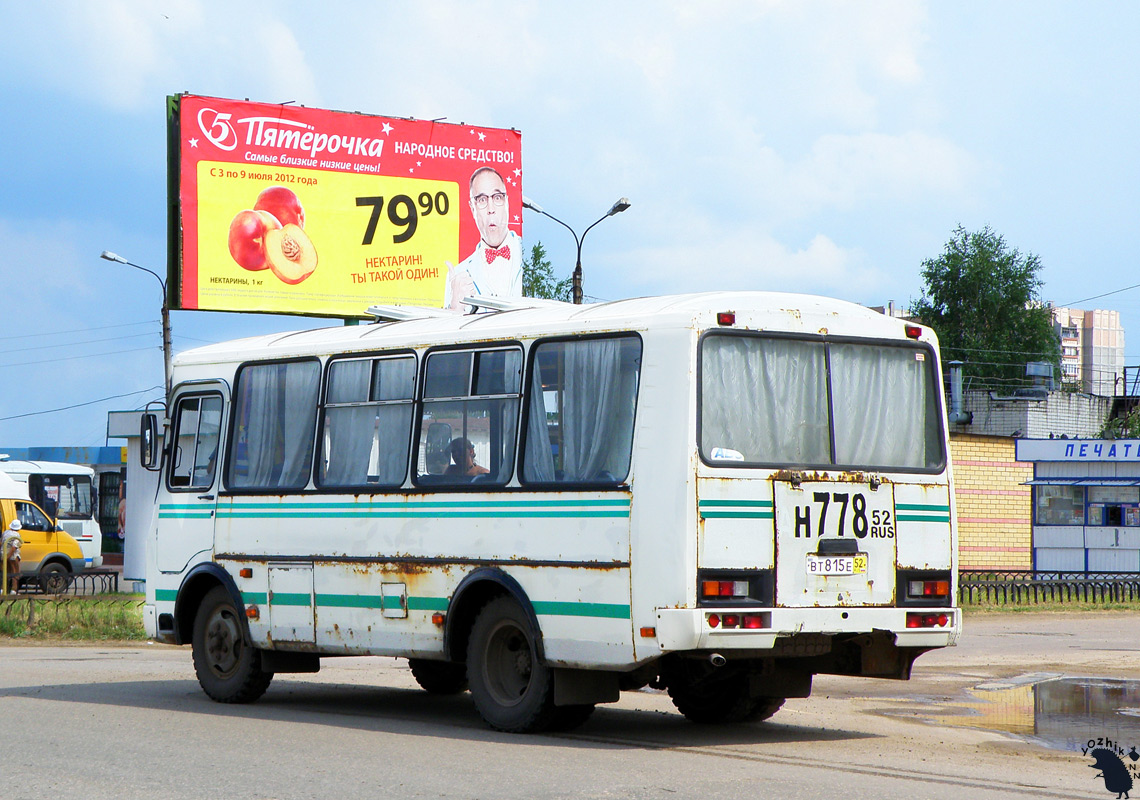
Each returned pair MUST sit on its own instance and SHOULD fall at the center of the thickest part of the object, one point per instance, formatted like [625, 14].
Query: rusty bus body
[720, 494]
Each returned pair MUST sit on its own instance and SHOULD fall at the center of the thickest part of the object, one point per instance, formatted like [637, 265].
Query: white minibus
[719, 494]
[65, 492]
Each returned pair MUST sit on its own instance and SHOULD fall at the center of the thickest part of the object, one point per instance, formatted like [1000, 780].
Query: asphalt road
[97, 722]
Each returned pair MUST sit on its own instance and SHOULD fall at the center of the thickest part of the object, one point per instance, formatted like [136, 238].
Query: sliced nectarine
[290, 254]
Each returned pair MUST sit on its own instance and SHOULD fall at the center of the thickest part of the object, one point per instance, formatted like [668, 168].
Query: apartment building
[1092, 349]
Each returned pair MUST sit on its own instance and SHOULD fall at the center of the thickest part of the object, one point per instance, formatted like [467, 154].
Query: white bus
[65, 492]
[720, 494]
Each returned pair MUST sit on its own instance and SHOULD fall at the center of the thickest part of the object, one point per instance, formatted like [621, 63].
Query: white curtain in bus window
[883, 407]
[368, 422]
[581, 411]
[764, 401]
[470, 416]
[197, 429]
[276, 406]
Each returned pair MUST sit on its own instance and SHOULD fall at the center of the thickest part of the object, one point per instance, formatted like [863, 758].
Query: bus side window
[367, 426]
[580, 411]
[275, 410]
[470, 400]
[197, 431]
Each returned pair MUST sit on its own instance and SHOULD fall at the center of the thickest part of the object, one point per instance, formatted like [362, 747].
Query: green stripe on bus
[254, 597]
[166, 595]
[290, 599]
[427, 604]
[199, 514]
[735, 503]
[919, 507]
[620, 502]
[737, 514]
[558, 609]
[919, 518]
[241, 513]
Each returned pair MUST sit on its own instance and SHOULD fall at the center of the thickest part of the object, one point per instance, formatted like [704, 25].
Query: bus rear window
[767, 401]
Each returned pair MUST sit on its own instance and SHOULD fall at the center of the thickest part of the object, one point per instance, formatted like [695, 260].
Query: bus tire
[439, 677]
[512, 689]
[717, 701]
[54, 578]
[228, 669]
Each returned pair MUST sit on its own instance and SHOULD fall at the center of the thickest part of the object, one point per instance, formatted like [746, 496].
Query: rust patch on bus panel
[801, 476]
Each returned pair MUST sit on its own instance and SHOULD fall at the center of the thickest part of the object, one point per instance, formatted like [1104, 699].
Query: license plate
[837, 565]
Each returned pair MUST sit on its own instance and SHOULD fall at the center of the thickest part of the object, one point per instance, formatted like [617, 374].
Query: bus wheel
[513, 691]
[228, 669]
[718, 700]
[54, 579]
[439, 677]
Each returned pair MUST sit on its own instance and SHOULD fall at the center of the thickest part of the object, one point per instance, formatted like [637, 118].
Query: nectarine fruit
[247, 237]
[283, 204]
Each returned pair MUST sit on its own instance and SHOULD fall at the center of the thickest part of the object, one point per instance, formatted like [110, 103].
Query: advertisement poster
[293, 210]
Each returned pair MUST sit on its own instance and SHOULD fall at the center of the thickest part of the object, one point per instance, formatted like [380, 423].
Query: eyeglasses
[481, 200]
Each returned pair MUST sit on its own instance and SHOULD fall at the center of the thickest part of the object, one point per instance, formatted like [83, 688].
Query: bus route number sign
[842, 514]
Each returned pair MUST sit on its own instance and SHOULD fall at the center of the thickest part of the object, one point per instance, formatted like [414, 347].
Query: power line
[73, 358]
[1106, 294]
[78, 405]
[76, 330]
[76, 344]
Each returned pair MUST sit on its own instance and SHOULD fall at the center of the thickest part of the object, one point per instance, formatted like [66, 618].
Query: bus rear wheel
[439, 677]
[512, 689]
[717, 699]
[229, 670]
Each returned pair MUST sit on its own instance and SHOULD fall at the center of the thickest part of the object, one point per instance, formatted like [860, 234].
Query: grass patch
[1051, 606]
[96, 618]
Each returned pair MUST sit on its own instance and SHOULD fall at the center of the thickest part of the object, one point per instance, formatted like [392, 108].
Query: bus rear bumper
[684, 629]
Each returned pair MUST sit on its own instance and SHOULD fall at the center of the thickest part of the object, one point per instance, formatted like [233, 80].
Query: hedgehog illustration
[1112, 769]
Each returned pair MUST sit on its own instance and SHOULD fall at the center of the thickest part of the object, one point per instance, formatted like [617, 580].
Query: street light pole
[576, 284]
[166, 346]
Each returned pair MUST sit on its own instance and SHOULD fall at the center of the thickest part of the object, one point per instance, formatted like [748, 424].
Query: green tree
[538, 277]
[1123, 427]
[981, 298]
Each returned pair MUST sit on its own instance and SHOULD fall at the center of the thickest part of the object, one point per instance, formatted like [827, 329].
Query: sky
[806, 146]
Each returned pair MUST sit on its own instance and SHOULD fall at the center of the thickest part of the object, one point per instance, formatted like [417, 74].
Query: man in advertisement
[495, 268]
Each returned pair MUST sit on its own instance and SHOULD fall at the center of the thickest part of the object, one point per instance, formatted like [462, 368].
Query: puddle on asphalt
[1060, 712]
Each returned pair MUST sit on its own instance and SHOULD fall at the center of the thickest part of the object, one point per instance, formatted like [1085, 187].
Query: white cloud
[747, 259]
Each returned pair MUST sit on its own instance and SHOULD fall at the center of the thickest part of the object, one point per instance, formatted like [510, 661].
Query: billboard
[294, 210]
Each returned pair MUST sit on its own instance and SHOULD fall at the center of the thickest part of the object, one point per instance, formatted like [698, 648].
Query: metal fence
[91, 581]
[1031, 587]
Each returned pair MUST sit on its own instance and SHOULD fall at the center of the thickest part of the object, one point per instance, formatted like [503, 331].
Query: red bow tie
[491, 254]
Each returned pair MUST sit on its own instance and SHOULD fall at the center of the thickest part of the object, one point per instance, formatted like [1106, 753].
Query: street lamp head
[533, 206]
[618, 207]
[109, 256]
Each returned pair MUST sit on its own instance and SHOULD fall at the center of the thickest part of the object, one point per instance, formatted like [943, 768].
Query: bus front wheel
[439, 677]
[228, 669]
[512, 689]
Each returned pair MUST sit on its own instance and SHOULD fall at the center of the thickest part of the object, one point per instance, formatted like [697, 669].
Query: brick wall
[994, 510]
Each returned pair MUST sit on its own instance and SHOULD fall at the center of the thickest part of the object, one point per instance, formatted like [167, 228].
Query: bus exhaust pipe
[717, 660]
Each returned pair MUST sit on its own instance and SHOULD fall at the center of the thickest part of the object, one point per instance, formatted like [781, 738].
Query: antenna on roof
[402, 313]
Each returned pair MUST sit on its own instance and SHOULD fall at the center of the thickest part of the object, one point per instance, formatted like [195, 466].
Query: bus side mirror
[149, 450]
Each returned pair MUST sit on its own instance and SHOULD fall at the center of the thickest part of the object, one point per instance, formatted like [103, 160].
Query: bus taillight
[917, 619]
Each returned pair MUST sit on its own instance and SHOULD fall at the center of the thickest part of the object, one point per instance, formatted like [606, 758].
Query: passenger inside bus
[463, 459]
